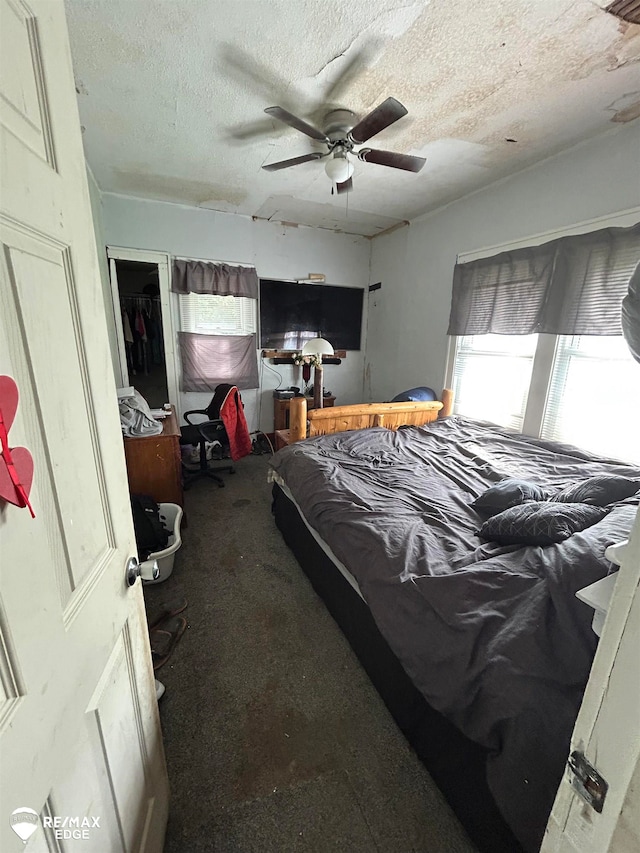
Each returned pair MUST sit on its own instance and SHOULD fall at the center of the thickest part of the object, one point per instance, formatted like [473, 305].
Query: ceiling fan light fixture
[339, 168]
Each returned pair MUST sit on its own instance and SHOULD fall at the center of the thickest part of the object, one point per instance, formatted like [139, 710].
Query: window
[217, 315]
[594, 396]
[491, 377]
[586, 394]
[217, 341]
[570, 376]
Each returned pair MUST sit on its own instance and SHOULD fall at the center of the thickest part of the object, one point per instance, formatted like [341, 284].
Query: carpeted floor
[275, 739]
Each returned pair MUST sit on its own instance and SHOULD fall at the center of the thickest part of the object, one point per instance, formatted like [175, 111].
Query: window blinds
[591, 277]
[217, 315]
[491, 377]
[503, 295]
[571, 286]
[586, 369]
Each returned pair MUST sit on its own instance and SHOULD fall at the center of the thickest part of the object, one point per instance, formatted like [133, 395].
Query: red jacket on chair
[235, 424]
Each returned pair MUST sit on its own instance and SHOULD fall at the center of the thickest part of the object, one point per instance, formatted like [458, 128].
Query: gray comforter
[492, 636]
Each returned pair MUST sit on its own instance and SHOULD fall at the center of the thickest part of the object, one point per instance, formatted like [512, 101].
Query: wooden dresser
[154, 465]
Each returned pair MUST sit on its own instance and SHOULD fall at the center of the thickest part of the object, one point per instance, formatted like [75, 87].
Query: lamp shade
[317, 346]
[339, 168]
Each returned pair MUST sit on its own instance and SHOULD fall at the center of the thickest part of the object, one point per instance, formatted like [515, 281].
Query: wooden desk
[281, 410]
[154, 465]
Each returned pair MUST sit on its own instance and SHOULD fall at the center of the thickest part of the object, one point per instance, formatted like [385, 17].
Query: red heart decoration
[23, 463]
[8, 401]
[16, 463]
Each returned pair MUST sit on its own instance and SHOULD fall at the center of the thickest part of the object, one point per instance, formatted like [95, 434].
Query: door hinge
[586, 781]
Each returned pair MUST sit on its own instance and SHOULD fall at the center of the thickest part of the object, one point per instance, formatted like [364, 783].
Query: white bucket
[171, 516]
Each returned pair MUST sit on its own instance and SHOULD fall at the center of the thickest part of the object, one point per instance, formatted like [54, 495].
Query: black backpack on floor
[151, 534]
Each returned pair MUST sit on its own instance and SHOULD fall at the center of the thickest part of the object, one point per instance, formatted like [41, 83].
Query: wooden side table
[154, 465]
[281, 410]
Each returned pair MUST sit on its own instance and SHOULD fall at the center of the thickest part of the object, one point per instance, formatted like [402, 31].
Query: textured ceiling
[172, 94]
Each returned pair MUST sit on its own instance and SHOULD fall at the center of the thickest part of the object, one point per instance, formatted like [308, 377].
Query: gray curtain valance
[209, 360]
[215, 279]
[571, 286]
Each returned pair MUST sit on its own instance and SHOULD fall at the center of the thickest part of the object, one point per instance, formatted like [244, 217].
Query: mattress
[274, 477]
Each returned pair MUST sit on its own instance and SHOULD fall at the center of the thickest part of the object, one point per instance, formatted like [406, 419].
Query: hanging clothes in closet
[142, 328]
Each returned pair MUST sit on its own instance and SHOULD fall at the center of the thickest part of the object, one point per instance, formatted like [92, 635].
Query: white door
[607, 731]
[80, 739]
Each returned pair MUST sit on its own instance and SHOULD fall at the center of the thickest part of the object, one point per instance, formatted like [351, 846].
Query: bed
[481, 651]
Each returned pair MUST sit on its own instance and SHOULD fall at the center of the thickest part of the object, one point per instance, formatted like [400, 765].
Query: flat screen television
[292, 313]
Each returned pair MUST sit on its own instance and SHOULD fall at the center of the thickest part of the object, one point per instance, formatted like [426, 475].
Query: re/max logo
[71, 822]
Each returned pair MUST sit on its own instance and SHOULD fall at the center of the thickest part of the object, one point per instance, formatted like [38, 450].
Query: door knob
[148, 570]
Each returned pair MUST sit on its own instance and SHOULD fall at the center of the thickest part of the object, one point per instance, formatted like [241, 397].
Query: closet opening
[140, 310]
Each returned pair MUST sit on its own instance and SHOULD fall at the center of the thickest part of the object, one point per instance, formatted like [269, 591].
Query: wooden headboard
[363, 415]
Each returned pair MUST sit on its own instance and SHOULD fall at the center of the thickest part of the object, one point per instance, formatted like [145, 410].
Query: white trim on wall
[162, 259]
[452, 343]
[123, 378]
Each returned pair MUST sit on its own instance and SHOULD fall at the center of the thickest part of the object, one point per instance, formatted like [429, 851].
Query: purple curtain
[209, 360]
[216, 279]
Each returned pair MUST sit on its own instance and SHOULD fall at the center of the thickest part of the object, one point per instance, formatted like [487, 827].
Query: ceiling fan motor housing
[337, 125]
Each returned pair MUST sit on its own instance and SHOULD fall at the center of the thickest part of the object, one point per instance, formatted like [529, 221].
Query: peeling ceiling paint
[172, 96]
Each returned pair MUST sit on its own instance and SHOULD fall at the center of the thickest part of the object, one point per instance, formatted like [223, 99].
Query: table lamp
[317, 347]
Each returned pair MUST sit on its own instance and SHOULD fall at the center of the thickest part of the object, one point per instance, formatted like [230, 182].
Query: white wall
[408, 318]
[98, 227]
[277, 251]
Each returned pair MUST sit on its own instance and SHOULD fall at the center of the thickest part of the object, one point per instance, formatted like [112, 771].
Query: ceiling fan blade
[248, 131]
[293, 121]
[384, 114]
[353, 63]
[390, 158]
[294, 161]
[246, 70]
[345, 186]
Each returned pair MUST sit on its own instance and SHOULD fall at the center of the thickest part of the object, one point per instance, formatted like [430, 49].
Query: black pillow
[598, 491]
[539, 523]
[507, 493]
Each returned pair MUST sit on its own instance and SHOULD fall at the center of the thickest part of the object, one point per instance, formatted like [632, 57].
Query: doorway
[144, 328]
[141, 313]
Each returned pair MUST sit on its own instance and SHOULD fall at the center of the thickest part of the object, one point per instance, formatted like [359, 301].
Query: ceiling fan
[341, 136]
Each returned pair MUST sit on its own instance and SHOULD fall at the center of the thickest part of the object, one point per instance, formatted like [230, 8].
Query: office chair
[199, 434]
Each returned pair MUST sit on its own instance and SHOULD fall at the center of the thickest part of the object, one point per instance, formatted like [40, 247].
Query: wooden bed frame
[359, 416]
